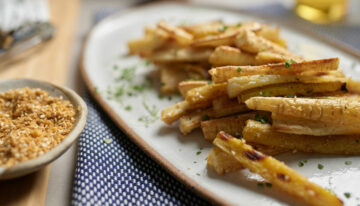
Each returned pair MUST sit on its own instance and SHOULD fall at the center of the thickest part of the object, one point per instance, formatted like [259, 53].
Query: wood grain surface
[47, 62]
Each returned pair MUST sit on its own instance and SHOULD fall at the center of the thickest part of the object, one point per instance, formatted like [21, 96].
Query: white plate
[106, 46]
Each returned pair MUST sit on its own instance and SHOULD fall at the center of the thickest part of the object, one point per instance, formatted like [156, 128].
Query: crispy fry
[221, 162]
[269, 33]
[206, 93]
[222, 74]
[232, 125]
[290, 89]
[191, 121]
[336, 144]
[250, 42]
[153, 40]
[170, 55]
[225, 55]
[180, 35]
[174, 112]
[238, 85]
[340, 111]
[226, 38]
[353, 86]
[293, 125]
[276, 172]
[205, 29]
[185, 86]
[269, 57]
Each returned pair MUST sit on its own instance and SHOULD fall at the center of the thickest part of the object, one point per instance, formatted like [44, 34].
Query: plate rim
[140, 142]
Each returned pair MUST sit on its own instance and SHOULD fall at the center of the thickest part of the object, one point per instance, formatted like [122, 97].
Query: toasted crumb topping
[31, 124]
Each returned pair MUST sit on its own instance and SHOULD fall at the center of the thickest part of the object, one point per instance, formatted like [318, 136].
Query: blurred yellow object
[321, 11]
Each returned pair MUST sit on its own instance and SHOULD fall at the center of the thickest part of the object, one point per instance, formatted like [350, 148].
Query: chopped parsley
[107, 141]
[239, 24]
[300, 164]
[197, 174]
[194, 162]
[128, 108]
[287, 64]
[115, 67]
[198, 153]
[205, 117]
[267, 94]
[128, 73]
[147, 63]
[347, 194]
[305, 161]
[262, 118]
[345, 107]
[348, 162]
[266, 184]
[209, 82]
[239, 69]
[162, 84]
[320, 166]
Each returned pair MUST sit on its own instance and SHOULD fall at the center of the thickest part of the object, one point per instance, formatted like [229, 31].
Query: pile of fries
[262, 99]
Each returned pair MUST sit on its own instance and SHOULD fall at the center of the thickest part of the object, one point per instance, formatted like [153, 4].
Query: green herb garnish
[115, 67]
[300, 164]
[267, 94]
[239, 69]
[198, 153]
[128, 73]
[348, 162]
[162, 84]
[347, 194]
[261, 118]
[239, 24]
[128, 108]
[268, 184]
[320, 166]
[287, 64]
[205, 117]
[197, 174]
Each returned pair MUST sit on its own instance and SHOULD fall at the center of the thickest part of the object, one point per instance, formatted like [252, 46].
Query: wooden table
[48, 62]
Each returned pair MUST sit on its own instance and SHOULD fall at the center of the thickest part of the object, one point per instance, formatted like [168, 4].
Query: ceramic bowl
[32, 165]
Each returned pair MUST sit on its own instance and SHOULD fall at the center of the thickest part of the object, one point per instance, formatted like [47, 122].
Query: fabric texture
[112, 170]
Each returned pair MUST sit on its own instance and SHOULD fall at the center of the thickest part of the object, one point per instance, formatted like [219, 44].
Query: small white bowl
[32, 165]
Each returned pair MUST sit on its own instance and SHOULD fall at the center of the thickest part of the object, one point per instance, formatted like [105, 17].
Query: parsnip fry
[232, 125]
[293, 125]
[174, 112]
[225, 55]
[336, 144]
[226, 38]
[153, 40]
[191, 121]
[185, 86]
[276, 172]
[250, 42]
[338, 111]
[223, 106]
[237, 85]
[269, 33]
[222, 74]
[221, 162]
[170, 55]
[206, 93]
[180, 35]
[205, 29]
[290, 89]
[269, 58]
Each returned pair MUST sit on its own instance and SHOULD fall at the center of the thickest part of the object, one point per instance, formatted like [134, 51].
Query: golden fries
[170, 78]
[290, 89]
[180, 35]
[174, 112]
[221, 162]
[206, 93]
[155, 38]
[222, 74]
[238, 85]
[276, 172]
[225, 55]
[250, 42]
[269, 58]
[169, 55]
[185, 86]
[339, 111]
[232, 125]
[333, 144]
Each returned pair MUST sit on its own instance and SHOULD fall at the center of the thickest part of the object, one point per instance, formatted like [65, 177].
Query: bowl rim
[31, 165]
